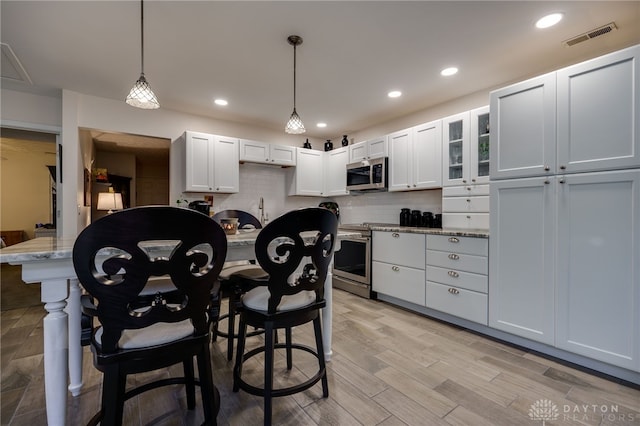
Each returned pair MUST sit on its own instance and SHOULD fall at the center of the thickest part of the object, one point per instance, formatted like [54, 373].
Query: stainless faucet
[261, 208]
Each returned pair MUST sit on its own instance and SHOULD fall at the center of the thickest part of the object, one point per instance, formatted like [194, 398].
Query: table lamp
[109, 201]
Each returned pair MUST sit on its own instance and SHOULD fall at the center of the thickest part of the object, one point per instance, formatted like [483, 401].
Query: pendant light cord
[294, 77]
[142, 36]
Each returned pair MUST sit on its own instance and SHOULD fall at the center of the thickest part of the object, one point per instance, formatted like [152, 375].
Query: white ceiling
[353, 53]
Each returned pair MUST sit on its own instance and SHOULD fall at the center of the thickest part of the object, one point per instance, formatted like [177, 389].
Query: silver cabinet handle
[453, 240]
[395, 268]
[408, 186]
[454, 256]
[395, 235]
[546, 168]
[468, 200]
[546, 182]
[473, 180]
[563, 167]
[561, 180]
[464, 181]
[468, 188]
[453, 274]
[453, 291]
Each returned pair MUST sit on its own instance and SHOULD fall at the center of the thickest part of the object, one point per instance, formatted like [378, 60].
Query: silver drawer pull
[395, 268]
[395, 235]
[454, 256]
[453, 274]
[453, 291]
[453, 240]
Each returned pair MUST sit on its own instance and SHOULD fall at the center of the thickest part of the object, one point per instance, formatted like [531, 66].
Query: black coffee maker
[201, 206]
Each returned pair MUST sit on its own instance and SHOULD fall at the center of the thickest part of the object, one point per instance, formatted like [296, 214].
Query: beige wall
[25, 184]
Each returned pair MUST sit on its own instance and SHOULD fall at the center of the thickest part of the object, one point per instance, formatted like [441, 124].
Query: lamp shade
[109, 201]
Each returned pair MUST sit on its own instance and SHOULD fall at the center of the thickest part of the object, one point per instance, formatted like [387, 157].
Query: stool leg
[268, 371]
[237, 370]
[321, 362]
[289, 351]
[231, 320]
[190, 386]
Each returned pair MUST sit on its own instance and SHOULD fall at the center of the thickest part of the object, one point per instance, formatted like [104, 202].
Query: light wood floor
[390, 367]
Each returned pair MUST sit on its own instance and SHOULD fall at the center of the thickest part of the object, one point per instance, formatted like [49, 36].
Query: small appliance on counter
[201, 206]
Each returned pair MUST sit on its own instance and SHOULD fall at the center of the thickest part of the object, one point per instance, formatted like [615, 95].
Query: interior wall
[118, 164]
[152, 181]
[25, 184]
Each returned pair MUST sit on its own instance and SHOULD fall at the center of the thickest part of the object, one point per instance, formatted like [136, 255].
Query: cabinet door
[308, 174]
[336, 172]
[521, 261]
[427, 155]
[598, 113]
[226, 167]
[254, 151]
[455, 149]
[377, 147]
[479, 145]
[400, 161]
[523, 129]
[399, 281]
[282, 155]
[198, 162]
[598, 280]
[358, 152]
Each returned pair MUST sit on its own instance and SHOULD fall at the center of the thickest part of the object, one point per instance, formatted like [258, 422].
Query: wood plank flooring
[390, 367]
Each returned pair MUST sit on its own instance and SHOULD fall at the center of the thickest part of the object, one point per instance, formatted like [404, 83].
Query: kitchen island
[48, 260]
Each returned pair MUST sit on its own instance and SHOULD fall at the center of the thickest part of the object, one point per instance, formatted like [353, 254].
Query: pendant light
[141, 95]
[294, 125]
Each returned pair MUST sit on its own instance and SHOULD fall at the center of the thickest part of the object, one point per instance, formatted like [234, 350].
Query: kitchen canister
[405, 217]
[415, 218]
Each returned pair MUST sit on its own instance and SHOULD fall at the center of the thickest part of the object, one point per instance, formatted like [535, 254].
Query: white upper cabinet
[523, 129]
[367, 150]
[479, 145]
[415, 157]
[266, 153]
[599, 113]
[400, 165]
[455, 149]
[335, 176]
[579, 119]
[307, 178]
[208, 163]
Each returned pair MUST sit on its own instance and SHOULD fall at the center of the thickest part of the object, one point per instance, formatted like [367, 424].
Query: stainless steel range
[352, 263]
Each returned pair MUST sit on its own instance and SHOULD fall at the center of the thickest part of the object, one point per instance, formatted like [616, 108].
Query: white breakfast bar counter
[48, 261]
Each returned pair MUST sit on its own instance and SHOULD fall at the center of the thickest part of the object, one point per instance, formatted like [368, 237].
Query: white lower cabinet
[457, 281]
[564, 263]
[398, 265]
[465, 207]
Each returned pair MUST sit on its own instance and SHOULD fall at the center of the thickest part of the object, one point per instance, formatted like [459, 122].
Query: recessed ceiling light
[394, 94]
[549, 20]
[221, 102]
[321, 124]
[449, 71]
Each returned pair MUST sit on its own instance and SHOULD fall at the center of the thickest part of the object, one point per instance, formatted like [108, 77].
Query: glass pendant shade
[294, 125]
[141, 95]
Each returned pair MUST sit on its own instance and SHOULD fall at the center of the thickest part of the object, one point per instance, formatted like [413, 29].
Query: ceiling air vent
[590, 34]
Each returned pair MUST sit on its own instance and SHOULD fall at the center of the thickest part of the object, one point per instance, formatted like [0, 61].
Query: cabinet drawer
[466, 204]
[456, 301]
[458, 261]
[468, 245]
[399, 281]
[465, 190]
[465, 220]
[468, 280]
[400, 248]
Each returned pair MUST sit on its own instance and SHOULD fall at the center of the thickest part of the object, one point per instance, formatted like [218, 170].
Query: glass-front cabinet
[456, 149]
[480, 142]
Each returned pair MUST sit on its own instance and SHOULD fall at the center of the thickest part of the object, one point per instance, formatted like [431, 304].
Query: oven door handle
[359, 239]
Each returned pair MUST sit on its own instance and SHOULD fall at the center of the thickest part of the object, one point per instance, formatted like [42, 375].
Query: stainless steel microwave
[367, 175]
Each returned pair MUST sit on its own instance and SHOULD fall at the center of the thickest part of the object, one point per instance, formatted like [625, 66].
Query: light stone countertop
[477, 233]
[42, 248]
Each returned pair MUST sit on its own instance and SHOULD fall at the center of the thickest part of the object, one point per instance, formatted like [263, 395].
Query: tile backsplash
[270, 183]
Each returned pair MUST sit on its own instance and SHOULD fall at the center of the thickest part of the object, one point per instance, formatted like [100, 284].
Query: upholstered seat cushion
[156, 334]
[258, 299]
[228, 271]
